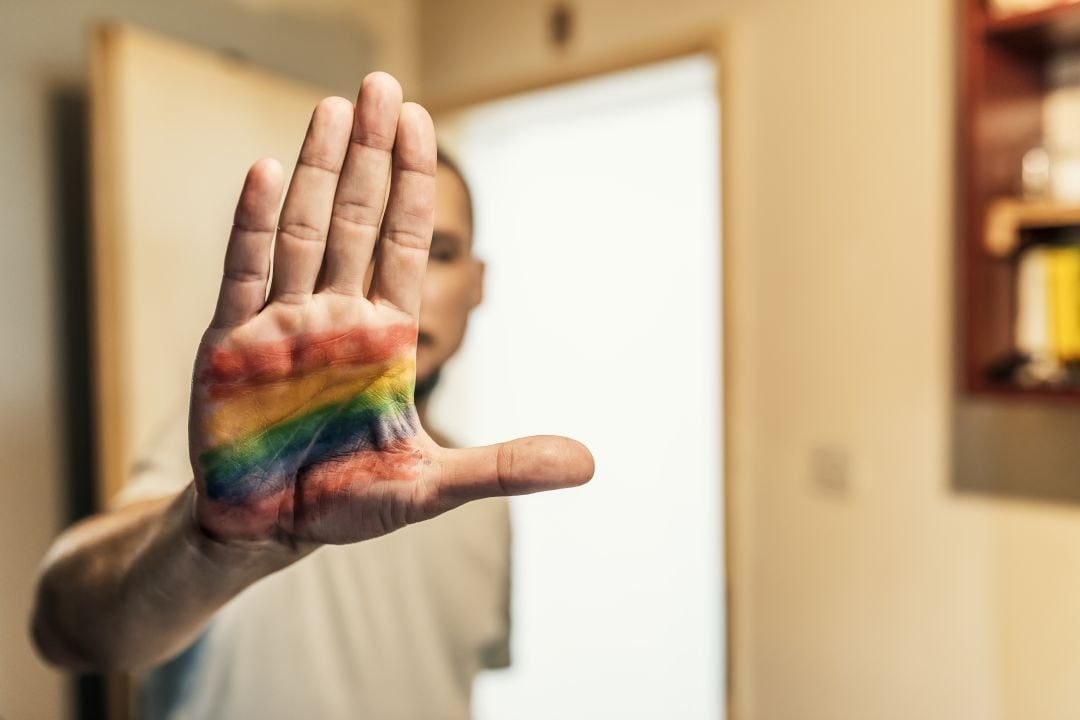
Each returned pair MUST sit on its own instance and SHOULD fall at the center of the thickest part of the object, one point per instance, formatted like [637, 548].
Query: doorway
[598, 216]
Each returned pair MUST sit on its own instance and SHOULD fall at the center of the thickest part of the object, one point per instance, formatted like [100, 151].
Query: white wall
[597, 215]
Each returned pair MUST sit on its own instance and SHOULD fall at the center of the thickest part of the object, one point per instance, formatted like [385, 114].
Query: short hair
[448, 162]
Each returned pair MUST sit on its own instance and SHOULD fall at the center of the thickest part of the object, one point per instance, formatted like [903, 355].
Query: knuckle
[318, 161]
[243, 275]
[303, 231]
[504, 466]
[408, 238]
[357, 212]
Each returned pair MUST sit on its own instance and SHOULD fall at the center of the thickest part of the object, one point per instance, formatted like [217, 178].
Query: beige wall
[44, 52]
[888, 597]
[390, 29]
[885, 593]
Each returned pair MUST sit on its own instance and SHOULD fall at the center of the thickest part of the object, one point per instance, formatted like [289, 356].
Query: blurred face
[454, 282]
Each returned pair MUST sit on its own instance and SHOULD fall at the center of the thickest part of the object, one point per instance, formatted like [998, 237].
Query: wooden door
[173, 130]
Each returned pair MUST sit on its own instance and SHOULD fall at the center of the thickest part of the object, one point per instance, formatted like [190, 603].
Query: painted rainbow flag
[306, 406]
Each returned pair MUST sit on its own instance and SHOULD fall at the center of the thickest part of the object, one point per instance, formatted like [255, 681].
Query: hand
[302, 423]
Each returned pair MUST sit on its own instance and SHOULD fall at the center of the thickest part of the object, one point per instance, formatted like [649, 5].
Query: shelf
[1006, 218]
[1054, 28]
[1002, 93]
[1066, 395]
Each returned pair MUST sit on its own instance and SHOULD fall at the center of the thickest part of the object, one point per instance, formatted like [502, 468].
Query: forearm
[135, 586]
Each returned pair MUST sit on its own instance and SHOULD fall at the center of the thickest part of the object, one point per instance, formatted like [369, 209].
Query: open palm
[302, 424]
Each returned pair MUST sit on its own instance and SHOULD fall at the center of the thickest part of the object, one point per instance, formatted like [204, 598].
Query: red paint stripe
[328, 505]
[333, 494]
[306, 353]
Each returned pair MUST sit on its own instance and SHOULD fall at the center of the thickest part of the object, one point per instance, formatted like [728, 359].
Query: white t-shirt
[396, 627]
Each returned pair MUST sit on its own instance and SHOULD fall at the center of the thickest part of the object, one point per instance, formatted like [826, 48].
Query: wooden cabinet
[1002, 87]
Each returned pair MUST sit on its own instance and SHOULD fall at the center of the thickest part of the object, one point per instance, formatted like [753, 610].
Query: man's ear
[478, 283]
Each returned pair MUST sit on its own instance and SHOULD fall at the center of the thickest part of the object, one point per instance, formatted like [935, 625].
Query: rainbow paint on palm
[303, 406]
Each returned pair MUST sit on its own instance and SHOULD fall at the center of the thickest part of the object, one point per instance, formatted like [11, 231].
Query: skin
[303, 426]
[454, 282]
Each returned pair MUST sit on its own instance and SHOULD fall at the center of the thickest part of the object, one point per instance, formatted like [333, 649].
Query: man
[304, 440]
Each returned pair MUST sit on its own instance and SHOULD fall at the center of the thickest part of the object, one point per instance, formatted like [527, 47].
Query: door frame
[716, 43]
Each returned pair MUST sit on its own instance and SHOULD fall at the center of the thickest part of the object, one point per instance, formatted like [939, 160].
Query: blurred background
[836, 241]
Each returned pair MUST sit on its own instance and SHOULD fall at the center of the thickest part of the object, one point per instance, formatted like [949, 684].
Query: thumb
[518, 467]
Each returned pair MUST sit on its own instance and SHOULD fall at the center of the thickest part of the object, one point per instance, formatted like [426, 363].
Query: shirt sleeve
[162, 468]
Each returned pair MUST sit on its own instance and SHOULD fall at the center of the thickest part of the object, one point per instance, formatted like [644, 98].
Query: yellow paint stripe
[266, 405]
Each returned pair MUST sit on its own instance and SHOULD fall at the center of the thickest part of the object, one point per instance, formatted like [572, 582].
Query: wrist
[259, 556]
